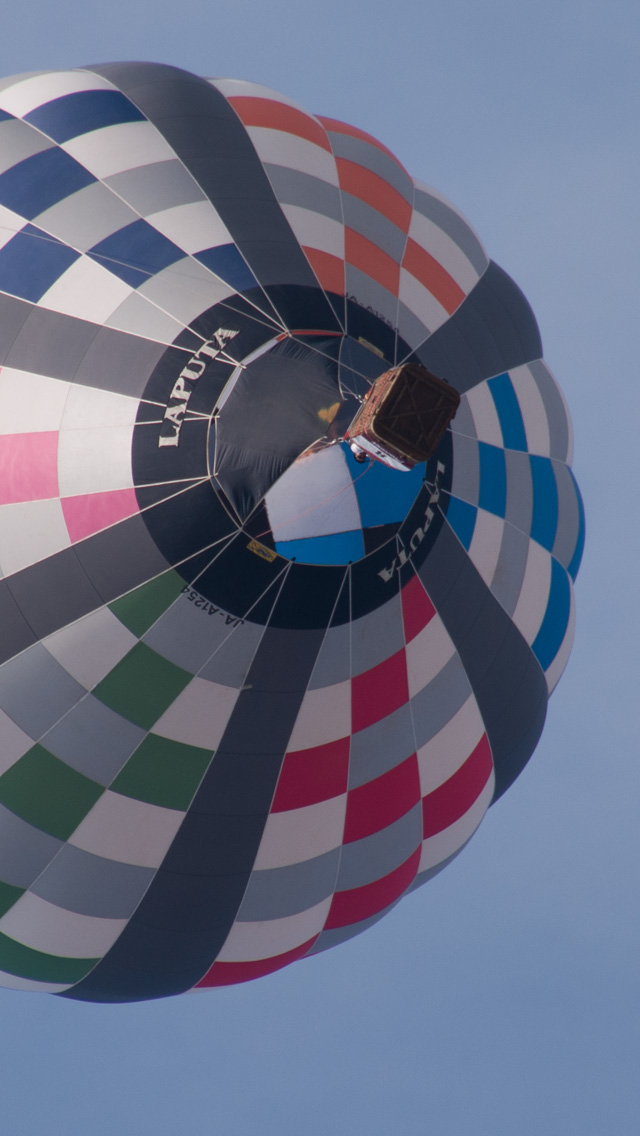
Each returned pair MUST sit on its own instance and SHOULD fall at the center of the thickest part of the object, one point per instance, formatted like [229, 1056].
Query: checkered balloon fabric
[252, 690]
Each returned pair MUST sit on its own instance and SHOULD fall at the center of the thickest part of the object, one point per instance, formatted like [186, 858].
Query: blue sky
[503, 997]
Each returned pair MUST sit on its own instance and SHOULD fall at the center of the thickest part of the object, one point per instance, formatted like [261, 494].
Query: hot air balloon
[263, 667]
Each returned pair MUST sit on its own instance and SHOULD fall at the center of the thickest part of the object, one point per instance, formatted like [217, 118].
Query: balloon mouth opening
[295, 394]
[256, 429]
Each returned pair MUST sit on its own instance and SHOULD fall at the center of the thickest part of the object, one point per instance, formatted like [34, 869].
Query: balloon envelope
[252, 691]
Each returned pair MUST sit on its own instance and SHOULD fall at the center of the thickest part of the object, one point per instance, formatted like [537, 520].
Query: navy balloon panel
[252, 690]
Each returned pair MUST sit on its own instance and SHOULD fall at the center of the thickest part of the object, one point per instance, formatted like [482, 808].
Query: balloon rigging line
[129, 206]
[148, 402]
[197, 415]
[226, 538]
[105, 261]
[283, 571]
[187, 482]
[267, 320]
[224, 542]
[87, 693]
[337, 363]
